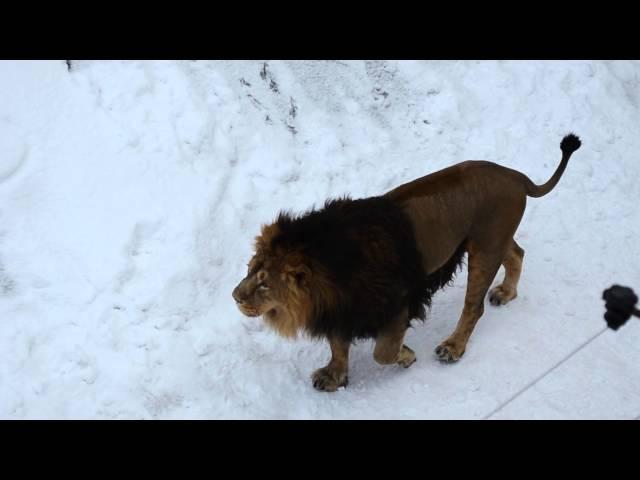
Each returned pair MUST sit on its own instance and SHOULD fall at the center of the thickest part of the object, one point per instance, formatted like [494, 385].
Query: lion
[365, 268]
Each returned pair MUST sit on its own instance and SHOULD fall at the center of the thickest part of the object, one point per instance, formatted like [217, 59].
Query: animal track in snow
[15, 152]
[265, 74]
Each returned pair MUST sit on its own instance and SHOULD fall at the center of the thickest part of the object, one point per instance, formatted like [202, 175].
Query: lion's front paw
[406, 357]
[328, 380]
[449, 352]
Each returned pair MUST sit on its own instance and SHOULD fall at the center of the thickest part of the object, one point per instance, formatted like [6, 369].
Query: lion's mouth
[249, 311]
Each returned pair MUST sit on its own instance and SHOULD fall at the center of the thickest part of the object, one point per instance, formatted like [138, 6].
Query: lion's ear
[301, 273]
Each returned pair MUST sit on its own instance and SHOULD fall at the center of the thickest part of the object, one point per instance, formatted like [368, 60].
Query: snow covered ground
[130, 193]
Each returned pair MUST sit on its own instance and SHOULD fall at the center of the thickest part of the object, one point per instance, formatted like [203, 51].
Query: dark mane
[367, 249]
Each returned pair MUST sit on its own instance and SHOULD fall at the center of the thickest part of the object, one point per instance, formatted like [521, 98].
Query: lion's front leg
[389, 348]
[335, 374]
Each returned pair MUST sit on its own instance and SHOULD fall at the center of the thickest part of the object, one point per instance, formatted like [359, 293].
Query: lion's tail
[570, 143]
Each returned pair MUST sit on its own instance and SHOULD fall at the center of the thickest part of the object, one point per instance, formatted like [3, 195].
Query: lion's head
[277, 286]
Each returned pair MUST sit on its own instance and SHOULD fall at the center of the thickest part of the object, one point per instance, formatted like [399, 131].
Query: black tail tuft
[570, 143]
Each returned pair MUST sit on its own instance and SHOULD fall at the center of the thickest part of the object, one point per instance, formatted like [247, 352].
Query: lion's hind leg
[508, 289]
[483, 266]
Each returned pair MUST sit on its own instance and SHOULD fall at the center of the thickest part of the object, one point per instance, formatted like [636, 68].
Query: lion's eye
[262, 286]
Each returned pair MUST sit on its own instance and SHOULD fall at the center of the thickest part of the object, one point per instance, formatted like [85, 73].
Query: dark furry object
[368, 250]
[570, 143]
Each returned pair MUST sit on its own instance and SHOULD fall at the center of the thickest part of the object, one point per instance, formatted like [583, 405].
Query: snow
[130, 193]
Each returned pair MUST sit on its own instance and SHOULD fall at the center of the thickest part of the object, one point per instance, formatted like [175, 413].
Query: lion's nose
[236, 295]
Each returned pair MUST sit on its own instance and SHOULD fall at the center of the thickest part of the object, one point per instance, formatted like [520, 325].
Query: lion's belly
[438, 233]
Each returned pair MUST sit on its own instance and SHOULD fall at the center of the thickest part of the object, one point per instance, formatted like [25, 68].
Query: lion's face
[275, 288]
[261, 290]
